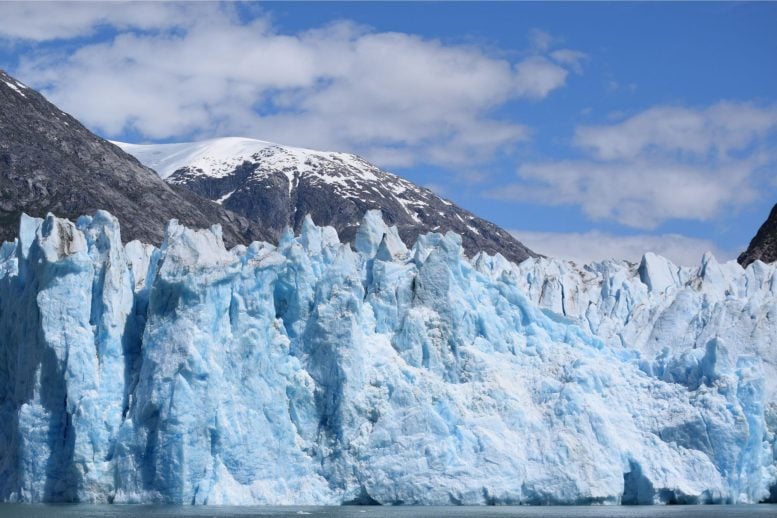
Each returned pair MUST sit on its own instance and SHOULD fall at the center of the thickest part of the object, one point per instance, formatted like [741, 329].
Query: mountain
[314, 372]
[763, 247]
[49, 162]
[277, 186]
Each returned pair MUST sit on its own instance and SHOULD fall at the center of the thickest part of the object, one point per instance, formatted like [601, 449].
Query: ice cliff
[662, 310]
[313, 373]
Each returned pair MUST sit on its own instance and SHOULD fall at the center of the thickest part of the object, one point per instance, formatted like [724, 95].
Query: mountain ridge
[763, 246]
[279, 185]
[50, 162]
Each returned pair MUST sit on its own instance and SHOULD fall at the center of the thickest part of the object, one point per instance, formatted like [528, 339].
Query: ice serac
[64, 322]
[689, 325]
[312, 372]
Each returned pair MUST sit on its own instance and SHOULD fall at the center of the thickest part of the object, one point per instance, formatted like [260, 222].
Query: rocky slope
[763, 247]
[278, 186]
[50, 162]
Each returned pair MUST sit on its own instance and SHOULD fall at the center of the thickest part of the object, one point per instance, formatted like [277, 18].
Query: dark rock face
[278, 186]
[49, 162]
[764, 245]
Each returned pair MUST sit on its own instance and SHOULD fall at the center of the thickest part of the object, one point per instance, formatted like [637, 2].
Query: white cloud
[572, 58]
[721, 128]
[44, 21]
[339, 87]
[591, 246]
[536, 77]
[641, 194]
[664, 163]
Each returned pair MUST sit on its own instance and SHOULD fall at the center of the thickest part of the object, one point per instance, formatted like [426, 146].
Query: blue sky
[589, 129]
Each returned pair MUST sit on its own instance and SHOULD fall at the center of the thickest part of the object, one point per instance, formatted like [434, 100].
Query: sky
[589, 130]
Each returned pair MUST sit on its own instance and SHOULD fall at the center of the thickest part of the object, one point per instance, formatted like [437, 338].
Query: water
[148, 511]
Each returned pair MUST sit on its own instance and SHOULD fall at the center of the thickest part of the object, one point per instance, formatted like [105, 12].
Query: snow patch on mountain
[16, 87]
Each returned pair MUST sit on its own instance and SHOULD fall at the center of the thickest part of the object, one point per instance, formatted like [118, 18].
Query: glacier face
[663, 310]
[313, 373]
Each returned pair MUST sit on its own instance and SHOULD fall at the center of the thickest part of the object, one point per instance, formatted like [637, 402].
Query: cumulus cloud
[586, 247]
[664, 163]
[39, 21]
[719, 129]
[640, 194]
[536, 77]
[198, 71]
[572, 58]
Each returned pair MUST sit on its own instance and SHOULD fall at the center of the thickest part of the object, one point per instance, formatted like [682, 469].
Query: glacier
[314, 372]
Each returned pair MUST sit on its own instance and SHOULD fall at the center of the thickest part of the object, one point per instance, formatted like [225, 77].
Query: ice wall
[664, 311]
[313, 373]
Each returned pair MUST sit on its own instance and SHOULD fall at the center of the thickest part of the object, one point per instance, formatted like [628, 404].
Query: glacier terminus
[316, 372]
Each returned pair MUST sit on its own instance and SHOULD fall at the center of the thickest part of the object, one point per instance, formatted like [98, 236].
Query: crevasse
[313, 373]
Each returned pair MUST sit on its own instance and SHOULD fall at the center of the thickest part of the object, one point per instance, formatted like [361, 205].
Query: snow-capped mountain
[50, 162]
[312, 372]
[277, 186]
[763, 247]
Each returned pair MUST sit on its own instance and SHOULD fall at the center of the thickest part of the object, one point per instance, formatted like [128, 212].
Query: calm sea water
[145, 511]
